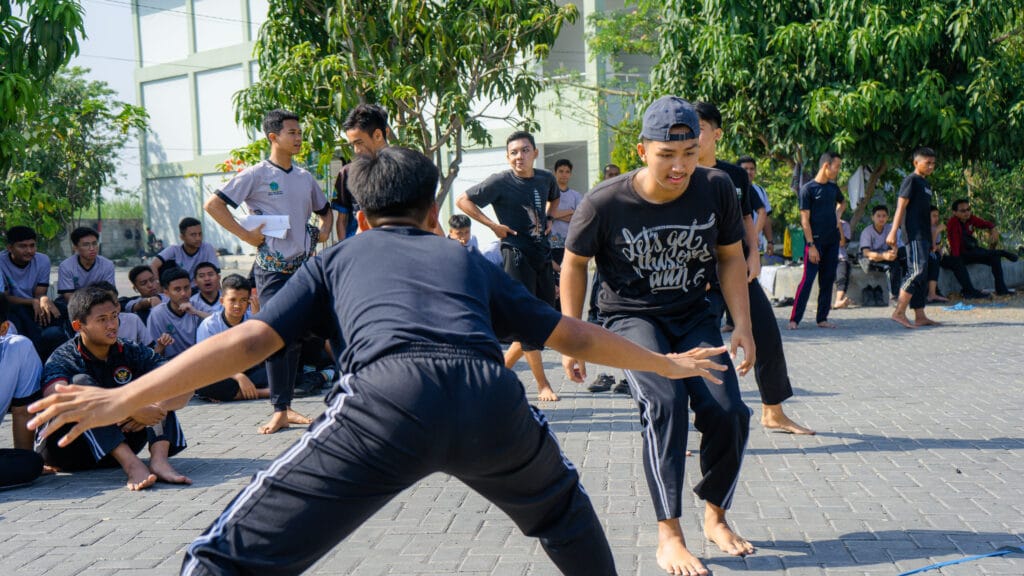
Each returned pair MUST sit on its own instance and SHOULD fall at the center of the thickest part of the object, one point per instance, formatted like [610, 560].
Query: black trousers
[991, 258]
[431, 409]
[19, 467]
[226, 390]
[770, 369]
[283, 366]
[916, 280]
[533, 271]
[825, 271]
[720, 414]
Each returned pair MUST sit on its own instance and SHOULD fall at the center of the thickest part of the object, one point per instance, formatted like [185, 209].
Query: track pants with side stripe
[403, 417]
[720, 414]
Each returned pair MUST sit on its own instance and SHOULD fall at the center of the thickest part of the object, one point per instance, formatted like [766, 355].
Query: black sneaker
[602, 383]
[976, 295]
[1009, 292]
[621, 388]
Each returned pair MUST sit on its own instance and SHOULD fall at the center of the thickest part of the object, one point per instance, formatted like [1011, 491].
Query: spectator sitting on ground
[190, 253]
[95, 357]
[19, 387]
[85, 266]
[935, 257]
[207, 299]
[147, 285]
[26, 275]
[965, 249]
[130, 326]
[843, 271]
[875, 254]
[248, 385]
[172, 326]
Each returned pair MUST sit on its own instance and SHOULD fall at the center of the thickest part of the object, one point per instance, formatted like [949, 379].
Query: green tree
[871, 79]
[72, 147]
[36, 40]
[433, 65]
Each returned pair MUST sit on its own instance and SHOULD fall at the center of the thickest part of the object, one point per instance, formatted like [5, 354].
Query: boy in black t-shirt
[425, 389]
[770, 371]
[913, 210]
[820, 201]
[656, 234]
[524, 200]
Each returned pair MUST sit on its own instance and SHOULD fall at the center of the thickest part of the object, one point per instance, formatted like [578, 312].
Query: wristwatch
[810, 244]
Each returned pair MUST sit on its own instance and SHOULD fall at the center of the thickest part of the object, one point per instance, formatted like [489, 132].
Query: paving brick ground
[919, 459]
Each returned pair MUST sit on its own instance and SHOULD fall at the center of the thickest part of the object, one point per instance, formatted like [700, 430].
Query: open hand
[696, 362]
[87, 406]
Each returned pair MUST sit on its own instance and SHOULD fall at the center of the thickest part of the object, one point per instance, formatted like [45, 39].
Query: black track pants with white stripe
[720, 414]
[396, 421]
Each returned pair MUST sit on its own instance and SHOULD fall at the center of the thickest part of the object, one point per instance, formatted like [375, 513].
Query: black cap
[666, 112]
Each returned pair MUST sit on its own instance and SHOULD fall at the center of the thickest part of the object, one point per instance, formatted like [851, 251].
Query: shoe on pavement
[1009, 292]
[602, 383]
[976, 295]
[621, 388]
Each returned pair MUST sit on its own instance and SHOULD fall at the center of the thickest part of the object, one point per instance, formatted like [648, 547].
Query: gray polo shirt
[267, 189]
[176, 252]
[182, 328]
[71, 275]
[22, 282]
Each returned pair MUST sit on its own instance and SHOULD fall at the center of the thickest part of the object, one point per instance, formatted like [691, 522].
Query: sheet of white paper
[277, 223]
[275, 233]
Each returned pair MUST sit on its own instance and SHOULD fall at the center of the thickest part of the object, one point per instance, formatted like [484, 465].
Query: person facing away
[821, 203]
[425, 389]
[96, 358]
[655, 234]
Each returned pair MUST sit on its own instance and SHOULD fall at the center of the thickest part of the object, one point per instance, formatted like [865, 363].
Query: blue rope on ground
[1000, 552]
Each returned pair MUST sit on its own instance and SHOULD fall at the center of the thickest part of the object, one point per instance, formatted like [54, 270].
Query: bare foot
[937, 298]
[298, 419]
[719, 532]
[546, 394]
[784, 424]
[726, 329]
[279, 421]
[689, 453]
[139, 477]
[841, 303]
[902, 320]
[47, 469]
[826, 324]
[926, 322]
[673, 555]
[791, 326]
[166, 473]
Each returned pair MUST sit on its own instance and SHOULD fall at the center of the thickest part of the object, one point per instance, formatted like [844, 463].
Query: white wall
[218, 23]
[170, 200]
[163, 31]
[215, 89]
[169, 138]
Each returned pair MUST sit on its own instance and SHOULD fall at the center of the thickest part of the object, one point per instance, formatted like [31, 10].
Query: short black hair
[827, 158]
[746, 160]
[83, 300]
[4, 307]
[171, 274]
[273, 121]
[459, 221]
[933, 208]
[207, 265]
[81, 232]
[235, 282]
[188, 222]
[955, 206]
[608, 167]
[519, 135]
[709, 113]
[397, 182]
[17, 234]
[923, 152]
[368, 118]
[879, 207]
[563, 162]
[135, 272]
[106, 286]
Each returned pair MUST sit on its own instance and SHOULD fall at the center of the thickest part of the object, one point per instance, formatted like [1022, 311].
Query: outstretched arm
[213, 359]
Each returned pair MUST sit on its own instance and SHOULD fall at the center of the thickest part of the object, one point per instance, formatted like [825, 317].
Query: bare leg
[673, 555]
[841, 300]
[774, 418]
[513, 354]
[160, 465]
[139, 476]
[826, 324]
[544, 391]
[899, 315]
[718, 531]
[933, 292]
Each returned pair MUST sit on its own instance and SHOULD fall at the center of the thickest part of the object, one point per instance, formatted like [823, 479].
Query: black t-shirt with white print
[655, 259]
[520, 204]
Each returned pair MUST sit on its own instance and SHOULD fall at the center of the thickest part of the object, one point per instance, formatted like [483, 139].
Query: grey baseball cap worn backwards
[666, 112]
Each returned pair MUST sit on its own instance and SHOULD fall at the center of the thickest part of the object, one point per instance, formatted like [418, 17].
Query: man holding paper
[281, 197]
